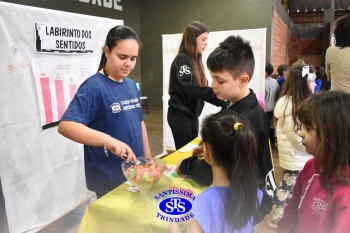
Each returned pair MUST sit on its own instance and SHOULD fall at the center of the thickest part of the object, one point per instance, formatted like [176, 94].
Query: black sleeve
[198, 170]
[188, 83]
[215, 101]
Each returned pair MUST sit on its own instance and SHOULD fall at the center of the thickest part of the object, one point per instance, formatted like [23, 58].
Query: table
[114, 211]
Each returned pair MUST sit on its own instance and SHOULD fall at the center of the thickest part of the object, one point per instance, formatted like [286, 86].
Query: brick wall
[280, 41]
[303, 47]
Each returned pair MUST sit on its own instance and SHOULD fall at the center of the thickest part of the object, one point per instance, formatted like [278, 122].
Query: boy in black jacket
[231, 66]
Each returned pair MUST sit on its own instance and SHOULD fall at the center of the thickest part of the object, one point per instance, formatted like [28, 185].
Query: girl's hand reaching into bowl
[120, 149]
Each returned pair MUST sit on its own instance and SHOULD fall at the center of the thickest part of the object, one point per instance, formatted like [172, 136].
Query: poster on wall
[63, 39]
[56, 82]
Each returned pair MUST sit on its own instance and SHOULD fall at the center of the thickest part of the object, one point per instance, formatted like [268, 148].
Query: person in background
[299, 62]
[319, 76]
[229, 203]
[321, 196]
[337, 57]
[103, 116]
[292, 154]
[231, 66]
[188, 85]
[272, 90]
[282, 71]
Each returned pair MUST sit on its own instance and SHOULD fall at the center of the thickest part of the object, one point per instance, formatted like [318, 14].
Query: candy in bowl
[144, 174]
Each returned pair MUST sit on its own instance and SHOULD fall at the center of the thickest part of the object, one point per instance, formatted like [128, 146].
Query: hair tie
[236, 126]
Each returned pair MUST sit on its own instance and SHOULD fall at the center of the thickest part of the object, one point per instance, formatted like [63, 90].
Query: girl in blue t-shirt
[105, 114]
[228, 205]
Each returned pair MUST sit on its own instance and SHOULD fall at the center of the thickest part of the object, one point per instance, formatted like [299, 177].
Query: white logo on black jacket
[184, 70]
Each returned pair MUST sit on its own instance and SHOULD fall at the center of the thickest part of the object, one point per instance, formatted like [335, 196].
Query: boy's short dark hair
[234, 55]
[281, 69]
[268, 68]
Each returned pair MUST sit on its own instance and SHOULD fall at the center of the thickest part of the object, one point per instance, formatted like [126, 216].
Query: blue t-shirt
[318, 85]
[209, 211]
[113, 108]
[280, 80]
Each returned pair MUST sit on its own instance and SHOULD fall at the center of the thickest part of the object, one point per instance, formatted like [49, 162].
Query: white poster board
[257, 38]
[42, 172]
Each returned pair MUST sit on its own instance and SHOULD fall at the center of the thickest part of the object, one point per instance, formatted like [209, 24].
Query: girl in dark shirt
[188, 88]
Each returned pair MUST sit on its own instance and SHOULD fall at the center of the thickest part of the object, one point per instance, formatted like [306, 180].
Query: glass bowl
[144, 174]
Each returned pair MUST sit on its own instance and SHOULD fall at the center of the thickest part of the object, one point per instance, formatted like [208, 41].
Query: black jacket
[201, 172]
[186, 95]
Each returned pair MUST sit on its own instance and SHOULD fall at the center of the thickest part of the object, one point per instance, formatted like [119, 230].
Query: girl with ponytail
[228, 205]
[99, 117]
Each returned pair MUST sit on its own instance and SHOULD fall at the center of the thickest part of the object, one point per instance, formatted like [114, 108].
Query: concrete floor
[154, 121]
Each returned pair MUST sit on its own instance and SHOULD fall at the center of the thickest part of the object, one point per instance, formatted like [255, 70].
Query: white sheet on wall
[42, 173]
[257, 38]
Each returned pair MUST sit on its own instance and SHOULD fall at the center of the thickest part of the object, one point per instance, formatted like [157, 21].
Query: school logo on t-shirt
[319, 207]
[116, 107]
